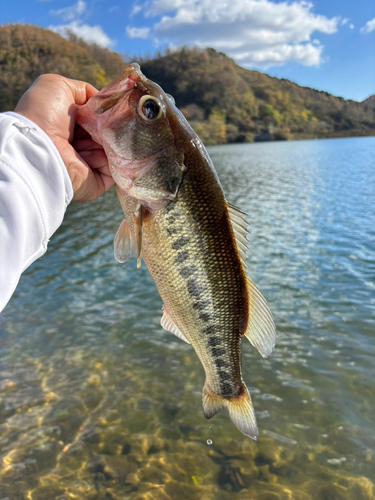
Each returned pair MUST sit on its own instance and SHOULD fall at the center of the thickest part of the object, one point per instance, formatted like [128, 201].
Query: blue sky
[325, 44]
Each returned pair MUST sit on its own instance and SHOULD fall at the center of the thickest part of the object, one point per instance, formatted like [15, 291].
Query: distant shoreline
[304, 137]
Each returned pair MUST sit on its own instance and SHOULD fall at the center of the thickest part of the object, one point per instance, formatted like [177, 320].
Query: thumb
[81, 91]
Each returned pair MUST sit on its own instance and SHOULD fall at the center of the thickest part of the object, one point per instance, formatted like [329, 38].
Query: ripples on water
[98, 402]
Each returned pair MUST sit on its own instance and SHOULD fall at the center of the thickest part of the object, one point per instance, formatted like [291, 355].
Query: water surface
[97, 401]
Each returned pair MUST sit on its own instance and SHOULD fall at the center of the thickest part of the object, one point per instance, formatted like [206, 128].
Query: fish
[193, 242]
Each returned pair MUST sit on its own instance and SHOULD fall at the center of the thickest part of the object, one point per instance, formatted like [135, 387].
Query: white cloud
[137, 32]
[74, 13]
[112, 9]
[307, 54]
[368, 27]
[345, 21]
[135, 10]
[70, 13]
[254, 32]
[91, 34]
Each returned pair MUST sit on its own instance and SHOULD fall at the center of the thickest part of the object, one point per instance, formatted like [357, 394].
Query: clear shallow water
[98, 402]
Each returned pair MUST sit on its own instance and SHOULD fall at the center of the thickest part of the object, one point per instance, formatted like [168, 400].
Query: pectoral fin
[138, 221]
[124, 244]
[168, 325]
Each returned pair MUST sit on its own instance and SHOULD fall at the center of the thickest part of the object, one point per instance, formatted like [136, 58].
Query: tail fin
[240, 408]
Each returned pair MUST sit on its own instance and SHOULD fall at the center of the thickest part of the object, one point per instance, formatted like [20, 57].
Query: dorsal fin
[168, 325]
[239, 225]
[261, 329]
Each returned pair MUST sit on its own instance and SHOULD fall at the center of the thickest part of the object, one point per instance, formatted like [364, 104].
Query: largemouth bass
[191, 239]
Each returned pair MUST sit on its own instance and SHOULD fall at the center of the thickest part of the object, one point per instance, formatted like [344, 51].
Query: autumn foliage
[221, 100]
[28, 51]
[227, 103]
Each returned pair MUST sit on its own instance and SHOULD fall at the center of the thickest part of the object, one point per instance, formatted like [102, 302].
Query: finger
[97, 160]
[88, 183]
[95, 185]
[105, 180]
[86, 145]
[81, 91]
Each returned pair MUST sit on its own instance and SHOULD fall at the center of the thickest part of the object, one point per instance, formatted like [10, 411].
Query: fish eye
[149, 107]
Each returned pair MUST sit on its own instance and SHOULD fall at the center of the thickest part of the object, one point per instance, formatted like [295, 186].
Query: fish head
[135, 121]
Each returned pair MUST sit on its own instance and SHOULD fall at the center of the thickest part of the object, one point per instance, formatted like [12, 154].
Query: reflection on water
[98, 402]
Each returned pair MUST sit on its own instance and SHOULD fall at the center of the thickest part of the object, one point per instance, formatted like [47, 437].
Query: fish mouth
[131, 78]
[126, 81]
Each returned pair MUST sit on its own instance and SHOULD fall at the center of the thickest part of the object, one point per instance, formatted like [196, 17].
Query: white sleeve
[35, 190]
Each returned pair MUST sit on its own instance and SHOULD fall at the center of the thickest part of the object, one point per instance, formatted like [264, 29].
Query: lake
[97, 401]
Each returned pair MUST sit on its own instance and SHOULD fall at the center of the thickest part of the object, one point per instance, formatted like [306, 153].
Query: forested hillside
[222, 101]
[225, 102]
[28, 51]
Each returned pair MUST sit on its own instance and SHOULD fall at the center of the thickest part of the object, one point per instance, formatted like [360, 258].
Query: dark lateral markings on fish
[206, 317]
[200, 305]
[180, 242]
[217, 352]
[209, 330]
[220, 362]
[187, 271]
[182, 257]
[214, 341]
[194, 288]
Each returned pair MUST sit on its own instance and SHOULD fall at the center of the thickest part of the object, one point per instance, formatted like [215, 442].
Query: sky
[324, 44]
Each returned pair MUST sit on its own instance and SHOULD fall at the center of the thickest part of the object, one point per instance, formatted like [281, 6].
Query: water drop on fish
[209, 441]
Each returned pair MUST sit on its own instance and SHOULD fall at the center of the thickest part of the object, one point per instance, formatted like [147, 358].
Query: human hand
[51, 103]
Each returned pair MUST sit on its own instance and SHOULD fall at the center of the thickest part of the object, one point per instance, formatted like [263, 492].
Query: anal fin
[168, 325]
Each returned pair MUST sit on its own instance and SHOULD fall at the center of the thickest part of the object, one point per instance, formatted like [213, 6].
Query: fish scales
[191, 240]
[202, 282]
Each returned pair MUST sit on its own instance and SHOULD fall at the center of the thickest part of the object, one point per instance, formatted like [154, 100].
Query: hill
[210, 86]
[369, 103]
[28, 51]
[222, 101]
